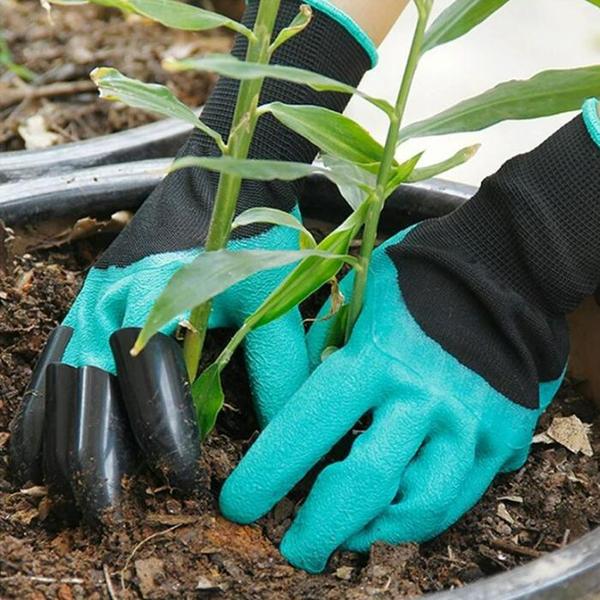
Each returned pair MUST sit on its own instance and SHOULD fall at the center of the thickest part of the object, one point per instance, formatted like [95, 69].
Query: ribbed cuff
[591, 119]
[349, 24]
[353, 28]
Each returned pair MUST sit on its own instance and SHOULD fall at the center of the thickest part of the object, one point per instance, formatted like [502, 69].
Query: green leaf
[307, 241]
[260, 170]
[299, 23]
[212, 273]
[459, 18]
[171, 13]
[274, 216]
[208, 396]
[547, 93]
[330, 131]
[311, 273]
[353, 194]
[424, 7]
[6, 59]
[229, 66]
[401, 174]
[595, 2]
[336, 334]
[328, 351]
[153, 97]
[461, 157]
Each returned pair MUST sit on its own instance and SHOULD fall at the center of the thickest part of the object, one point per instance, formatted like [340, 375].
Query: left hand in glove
[74, 427]
[460, 346]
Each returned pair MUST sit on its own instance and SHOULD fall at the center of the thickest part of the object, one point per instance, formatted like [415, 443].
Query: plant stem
[376, 202]
[242, 129]
[227, 352]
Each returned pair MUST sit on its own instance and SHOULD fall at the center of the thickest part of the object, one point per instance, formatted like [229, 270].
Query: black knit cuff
[180, 208]
[492, 281]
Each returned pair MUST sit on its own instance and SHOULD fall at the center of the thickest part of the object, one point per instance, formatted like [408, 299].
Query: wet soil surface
[176, 547]
[61, 52]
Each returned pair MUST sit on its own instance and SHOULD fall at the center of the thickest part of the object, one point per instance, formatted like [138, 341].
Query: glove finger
[349, 494]
[318, 334]
[27, 426]
[61, 398]
[305, 429]
[432, 483]
[101, 451]
[221, 315]
[117, 297]
[277, 363]
[157, 399]
[478, 481]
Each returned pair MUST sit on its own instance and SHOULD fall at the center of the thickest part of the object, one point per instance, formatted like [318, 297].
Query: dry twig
[42, 579]
[109, 584]
[139, 545]
[515, 548]
[60, 88]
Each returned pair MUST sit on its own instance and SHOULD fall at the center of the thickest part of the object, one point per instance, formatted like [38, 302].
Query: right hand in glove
[89, 402]
[460, 346]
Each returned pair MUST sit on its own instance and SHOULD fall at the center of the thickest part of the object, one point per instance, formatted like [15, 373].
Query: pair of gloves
[461, 343]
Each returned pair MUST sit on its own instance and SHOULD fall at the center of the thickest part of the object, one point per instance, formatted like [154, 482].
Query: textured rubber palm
[123, 297]
[439, 435]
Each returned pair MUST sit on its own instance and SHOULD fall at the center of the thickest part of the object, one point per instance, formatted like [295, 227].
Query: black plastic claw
[157, 398]
[101, 452]
[27, 427]
[61, 390]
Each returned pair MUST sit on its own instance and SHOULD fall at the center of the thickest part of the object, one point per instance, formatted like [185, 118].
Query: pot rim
[155, 140]
[103, 190]
[572, 572]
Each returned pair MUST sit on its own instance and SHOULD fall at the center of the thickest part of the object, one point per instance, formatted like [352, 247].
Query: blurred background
[521, 39]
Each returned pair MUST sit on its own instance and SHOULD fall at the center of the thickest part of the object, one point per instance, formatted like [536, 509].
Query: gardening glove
[460, 346]
[166, 233]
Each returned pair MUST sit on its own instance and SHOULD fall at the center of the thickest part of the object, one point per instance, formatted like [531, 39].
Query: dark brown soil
[64, 52]
[174, 547]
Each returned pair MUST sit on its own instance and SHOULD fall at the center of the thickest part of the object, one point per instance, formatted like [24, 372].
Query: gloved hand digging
[461, 344]
[76, 414]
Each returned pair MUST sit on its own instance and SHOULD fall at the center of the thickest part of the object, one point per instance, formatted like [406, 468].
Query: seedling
[7, 61]
[365, 171]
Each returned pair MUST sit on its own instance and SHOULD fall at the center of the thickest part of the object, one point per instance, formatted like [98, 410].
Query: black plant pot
[570, 573]
[156, 140]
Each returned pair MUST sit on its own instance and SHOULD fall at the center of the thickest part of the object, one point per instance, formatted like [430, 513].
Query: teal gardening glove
[167, 232]
[460, 346]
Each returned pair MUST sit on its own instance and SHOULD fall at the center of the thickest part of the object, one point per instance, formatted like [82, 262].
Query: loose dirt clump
[176, 547]
[61, 104]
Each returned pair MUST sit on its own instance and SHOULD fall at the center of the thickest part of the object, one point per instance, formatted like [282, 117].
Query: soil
[62, 51]
[176, 547]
